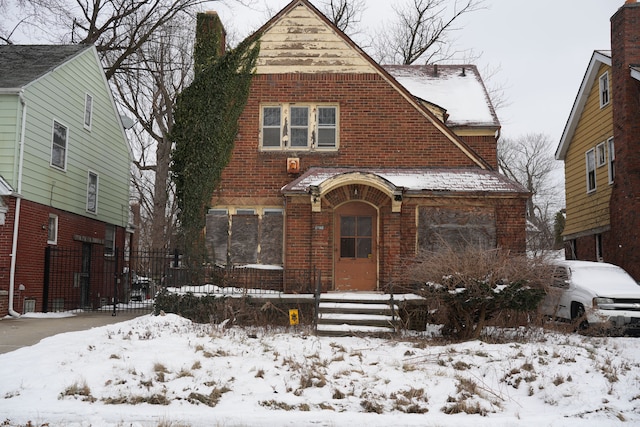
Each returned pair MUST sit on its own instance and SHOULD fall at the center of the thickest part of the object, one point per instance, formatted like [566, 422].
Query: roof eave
[581, 99]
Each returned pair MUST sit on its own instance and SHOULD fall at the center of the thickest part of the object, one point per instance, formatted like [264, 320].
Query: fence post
[316, 297]
[45, 285]
[115, 280]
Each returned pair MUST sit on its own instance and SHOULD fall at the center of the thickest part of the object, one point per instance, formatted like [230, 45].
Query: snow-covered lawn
[168, 371]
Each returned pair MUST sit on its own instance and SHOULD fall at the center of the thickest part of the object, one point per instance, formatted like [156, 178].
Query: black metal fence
[89, 279]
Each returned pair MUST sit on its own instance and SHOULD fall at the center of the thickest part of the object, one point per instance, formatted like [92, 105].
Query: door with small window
[355, 251]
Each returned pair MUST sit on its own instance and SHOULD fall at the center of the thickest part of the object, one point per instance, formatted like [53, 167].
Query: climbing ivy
[206, 123]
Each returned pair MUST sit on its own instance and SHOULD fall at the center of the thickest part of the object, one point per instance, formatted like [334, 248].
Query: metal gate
[89, 279]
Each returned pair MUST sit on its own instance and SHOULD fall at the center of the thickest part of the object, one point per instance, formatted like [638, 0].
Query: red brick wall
[32, 241]
[377, 128]
[625, 197]
[486, 147]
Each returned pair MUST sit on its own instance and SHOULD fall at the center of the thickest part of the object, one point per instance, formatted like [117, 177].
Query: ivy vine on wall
[206, 123]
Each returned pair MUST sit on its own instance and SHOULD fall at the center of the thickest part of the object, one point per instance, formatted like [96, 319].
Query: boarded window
[271, 238]
[456, 227]
[218, 234]
[244, 239]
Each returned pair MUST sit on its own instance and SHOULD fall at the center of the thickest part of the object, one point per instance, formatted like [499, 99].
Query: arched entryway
[355, 247]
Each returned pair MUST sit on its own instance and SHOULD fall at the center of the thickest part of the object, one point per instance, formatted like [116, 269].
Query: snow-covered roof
[464, 180]
[456, 88]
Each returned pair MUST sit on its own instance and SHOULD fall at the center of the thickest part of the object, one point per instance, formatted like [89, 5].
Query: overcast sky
[541, 48]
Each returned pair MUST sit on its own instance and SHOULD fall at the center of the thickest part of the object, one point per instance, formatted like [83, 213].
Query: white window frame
[312, 127]
[109, 243]
[57, 144]
[601, 155]
[52, 230]
[611, 160]
[92, 191]
[605, 93]
[88, 111]
[591, 153]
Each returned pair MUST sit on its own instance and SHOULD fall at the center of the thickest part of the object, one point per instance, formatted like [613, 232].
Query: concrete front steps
[348, 314]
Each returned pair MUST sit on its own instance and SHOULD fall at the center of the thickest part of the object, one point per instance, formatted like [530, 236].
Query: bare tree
[118, 28]
[529, 161]
[148, 92]
[421, 31]
[345, 14]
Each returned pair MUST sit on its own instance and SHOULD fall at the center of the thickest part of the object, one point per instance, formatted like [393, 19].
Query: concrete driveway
[26, 331]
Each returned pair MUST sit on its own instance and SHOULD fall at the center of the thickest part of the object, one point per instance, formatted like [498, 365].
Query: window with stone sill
[297, 127]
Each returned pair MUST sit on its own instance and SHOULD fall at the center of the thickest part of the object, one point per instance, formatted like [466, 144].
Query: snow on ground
[168, 371]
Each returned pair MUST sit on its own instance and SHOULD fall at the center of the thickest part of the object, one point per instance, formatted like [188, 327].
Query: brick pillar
[625, 198]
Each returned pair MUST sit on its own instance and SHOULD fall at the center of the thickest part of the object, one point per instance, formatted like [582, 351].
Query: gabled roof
[22, 64]
[448, 132]
[598, 58]
[456, 88]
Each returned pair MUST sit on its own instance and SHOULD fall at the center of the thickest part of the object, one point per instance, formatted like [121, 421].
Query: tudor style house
[600, 147]
[350, 168]
[64, 170]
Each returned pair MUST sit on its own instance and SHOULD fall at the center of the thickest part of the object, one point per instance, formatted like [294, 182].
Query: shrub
[468, 286]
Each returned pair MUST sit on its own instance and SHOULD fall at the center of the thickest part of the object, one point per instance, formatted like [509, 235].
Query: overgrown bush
[244, 310]
[468, 286]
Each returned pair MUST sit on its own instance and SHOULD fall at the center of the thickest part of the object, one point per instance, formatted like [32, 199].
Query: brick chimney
[625, 197]
[211, 38]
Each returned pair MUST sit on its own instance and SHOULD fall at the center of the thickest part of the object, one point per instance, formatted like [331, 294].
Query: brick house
[64, 172]
[600, 149]
[350, 168]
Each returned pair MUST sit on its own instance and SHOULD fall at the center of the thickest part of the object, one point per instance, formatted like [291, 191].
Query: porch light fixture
[316, 205]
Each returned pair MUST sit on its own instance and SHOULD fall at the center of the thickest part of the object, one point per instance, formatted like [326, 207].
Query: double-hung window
[591, 170]
[92, 192]
[59, 145]
[611, 160]
[271, 127]
[604, 89]
[52, 229]
[109, 240]
[299, 127]
[88, 111]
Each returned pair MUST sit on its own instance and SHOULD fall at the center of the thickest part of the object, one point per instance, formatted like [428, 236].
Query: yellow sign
[293, 317]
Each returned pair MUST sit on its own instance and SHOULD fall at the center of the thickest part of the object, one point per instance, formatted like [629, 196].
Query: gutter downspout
[16, 219]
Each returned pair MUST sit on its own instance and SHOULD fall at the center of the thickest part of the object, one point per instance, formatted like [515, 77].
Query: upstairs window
[59, 145]
[271, 126]
[88, 111]
[601, 156]
[92, 192]
[604, 89]
[611, 158]
[591, 170]
[299, 127]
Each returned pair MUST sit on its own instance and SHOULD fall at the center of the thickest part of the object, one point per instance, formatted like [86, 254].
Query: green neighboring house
[64, 170]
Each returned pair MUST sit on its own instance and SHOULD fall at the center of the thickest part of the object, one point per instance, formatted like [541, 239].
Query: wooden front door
[355, 251]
